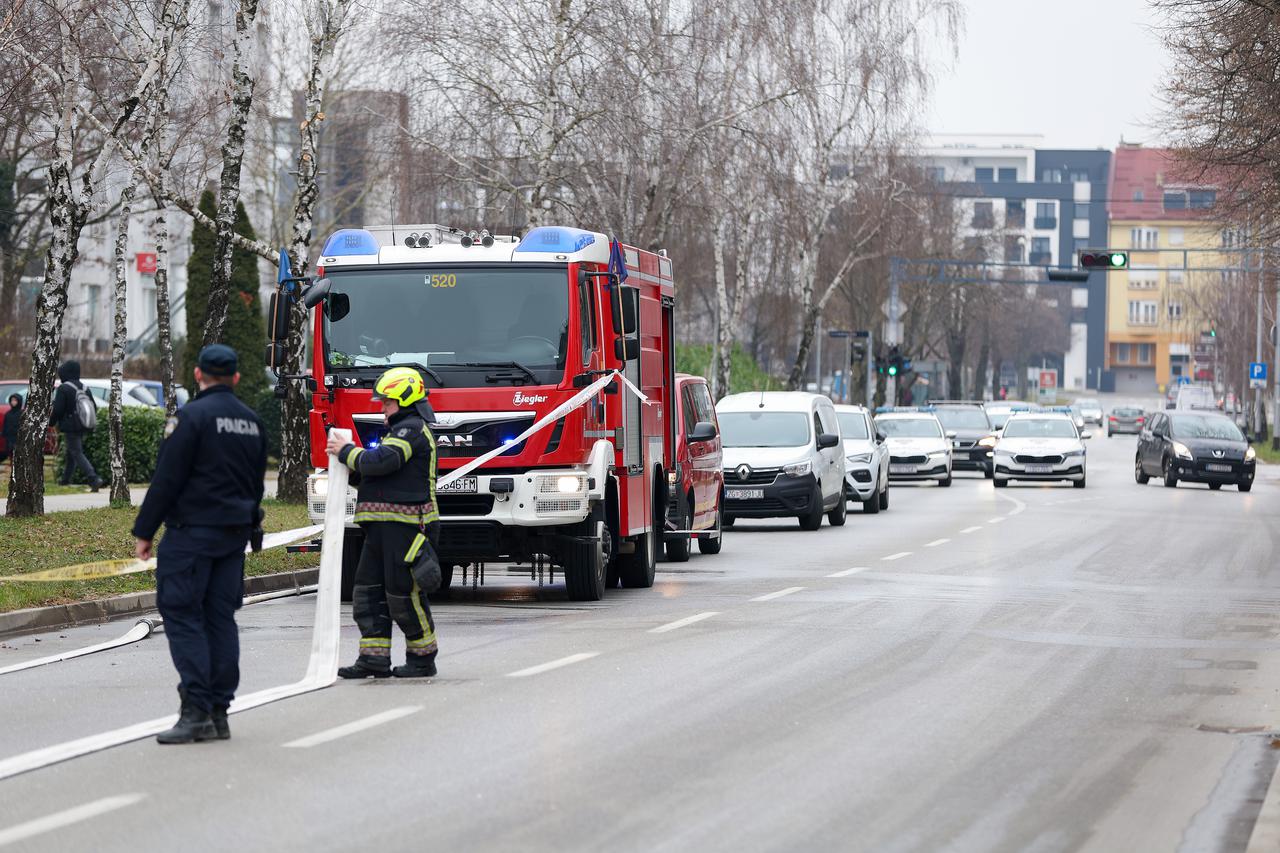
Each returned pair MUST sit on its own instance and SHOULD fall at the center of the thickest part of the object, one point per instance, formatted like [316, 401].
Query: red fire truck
[503, 331]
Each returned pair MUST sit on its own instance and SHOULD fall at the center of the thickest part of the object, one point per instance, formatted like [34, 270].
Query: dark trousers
[385, 589]
[199, 588]
[77, 459]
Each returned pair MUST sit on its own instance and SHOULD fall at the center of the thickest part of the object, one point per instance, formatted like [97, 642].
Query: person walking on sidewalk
[10, 426]
[396, 507]
[207, 490]
[74, 414]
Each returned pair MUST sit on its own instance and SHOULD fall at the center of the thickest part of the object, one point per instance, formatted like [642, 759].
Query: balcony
[1045, 223]
[1039, 258]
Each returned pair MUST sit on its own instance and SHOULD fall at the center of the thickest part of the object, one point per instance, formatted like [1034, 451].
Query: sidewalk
[90, 500]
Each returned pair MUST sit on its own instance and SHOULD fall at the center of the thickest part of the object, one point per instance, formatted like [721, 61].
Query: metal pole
[891, 331]
[847, 371]
[817, 360]
[871, 368]
[1257, 356]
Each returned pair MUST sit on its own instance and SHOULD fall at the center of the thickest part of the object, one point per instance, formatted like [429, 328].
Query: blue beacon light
[350, 241]
[556, 239]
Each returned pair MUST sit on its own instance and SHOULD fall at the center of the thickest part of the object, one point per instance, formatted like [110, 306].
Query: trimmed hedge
[143, 432]
[746, 374]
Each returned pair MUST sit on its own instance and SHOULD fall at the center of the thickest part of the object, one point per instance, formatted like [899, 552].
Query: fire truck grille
[469, 440]
[465, 504]
[559, 505]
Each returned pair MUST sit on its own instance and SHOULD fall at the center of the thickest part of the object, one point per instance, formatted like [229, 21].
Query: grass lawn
[51, 486]
[67, 538]
[1265, 453]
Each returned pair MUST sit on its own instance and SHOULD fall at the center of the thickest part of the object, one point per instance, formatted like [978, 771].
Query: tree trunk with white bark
[164, 329]
[119, 339]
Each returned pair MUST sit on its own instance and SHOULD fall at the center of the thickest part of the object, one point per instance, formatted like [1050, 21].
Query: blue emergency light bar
[348, 242]
[555, 239]
[881, 410]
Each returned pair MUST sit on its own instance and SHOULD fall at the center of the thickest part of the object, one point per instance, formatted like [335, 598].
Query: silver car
[866, 459]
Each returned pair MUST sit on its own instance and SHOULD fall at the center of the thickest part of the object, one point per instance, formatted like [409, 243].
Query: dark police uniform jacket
[210, 469]
[396, 481]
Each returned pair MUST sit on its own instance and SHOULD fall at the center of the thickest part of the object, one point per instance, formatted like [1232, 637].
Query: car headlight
[320, 485]
[939, 455]
[797, 469]
[987, 441]
[1070, 453]
[1182, 451]
[1250, 455]
[859, 458]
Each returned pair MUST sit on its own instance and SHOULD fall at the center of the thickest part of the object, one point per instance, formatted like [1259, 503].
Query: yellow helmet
[402, 384]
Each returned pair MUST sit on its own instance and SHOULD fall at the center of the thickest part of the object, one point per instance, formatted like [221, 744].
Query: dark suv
[970, 432]
[1201, 447]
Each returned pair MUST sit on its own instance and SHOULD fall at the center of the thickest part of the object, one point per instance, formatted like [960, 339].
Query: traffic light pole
[871, 369]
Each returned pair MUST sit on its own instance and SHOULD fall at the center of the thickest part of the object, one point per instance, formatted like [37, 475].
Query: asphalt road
[1038, 669]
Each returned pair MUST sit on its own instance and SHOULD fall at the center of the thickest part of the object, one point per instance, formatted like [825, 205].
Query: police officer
[207, 490]
[396, 507]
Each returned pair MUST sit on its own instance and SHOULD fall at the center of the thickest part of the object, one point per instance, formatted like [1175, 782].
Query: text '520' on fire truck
[504, 331]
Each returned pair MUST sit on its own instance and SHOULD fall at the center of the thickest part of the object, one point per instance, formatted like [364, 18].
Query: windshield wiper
[493, 377]
[381, 368]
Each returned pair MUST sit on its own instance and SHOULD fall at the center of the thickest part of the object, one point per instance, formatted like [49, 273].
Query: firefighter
[396, 507]
[207, 489]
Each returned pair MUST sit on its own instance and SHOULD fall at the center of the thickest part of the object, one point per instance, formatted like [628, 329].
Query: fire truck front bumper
[541, 498]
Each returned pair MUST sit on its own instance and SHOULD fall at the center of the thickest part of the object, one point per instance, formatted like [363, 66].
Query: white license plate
[1214, 466]
[744, 494]
[460, 486]
[902, 469]
[1039, 469]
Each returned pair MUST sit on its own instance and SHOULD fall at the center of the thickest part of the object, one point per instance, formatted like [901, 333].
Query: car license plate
[1214, 466]
[460, 486]
[744, 494]
[902, 469]
[1039, 469]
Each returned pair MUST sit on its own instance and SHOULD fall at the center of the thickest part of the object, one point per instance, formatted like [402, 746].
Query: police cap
[218, 360]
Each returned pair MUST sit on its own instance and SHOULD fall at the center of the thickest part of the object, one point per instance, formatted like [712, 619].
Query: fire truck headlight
[569, 485]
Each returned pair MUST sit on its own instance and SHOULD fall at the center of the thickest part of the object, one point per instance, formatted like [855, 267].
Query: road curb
[1265, 837]
[57, 616]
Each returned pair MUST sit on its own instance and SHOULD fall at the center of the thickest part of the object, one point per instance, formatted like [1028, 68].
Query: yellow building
[1154, 327]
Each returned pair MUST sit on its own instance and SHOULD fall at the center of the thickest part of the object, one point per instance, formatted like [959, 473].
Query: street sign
[838, 333]
[888, 308]
[1257, 374]
[1049, 378]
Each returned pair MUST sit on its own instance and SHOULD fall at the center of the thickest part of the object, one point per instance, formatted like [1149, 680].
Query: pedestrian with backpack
[75, 415]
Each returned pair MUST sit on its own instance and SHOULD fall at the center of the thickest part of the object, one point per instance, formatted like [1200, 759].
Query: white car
[1090, 409]
[918, 446]
[782, 457]
[1043, 446]
[131, 393]
[866, 459]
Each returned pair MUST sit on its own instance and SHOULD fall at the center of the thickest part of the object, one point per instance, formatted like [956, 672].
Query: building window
[1175, 310]
[983, 215]
[1007, 176]
[1143, 279]
[1122, 353]
[1177, 236]
[1137, 195]
[1012, 250]
[1051, 176]
[91, 309]
[1144, 353]
[1175, 200]
[1202, 199]
[1177, 277]
[1045, 210]
[1040, 252]
[983, 174]
[1082, 210]
[1142, 313]
[1144, 238]
[1081, 245]
[937, 174]
[1015, 213]
[1078, 177]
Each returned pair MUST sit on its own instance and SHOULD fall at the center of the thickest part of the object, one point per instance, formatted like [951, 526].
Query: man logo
[455, 440]
[744, 472]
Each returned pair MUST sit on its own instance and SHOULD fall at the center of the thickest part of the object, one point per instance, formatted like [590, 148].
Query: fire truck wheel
[678, 547]
[637, 569]
[708, 545]
[586, 563]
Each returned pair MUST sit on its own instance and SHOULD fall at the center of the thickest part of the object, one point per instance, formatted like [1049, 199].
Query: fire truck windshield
[472, 326]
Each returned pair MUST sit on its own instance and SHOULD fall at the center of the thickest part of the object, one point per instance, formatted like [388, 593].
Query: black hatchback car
[1200, 447]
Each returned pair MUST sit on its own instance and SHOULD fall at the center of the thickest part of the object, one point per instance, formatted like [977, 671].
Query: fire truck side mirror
[626, 349]
[626, 308]
[278, 317]
[316, 293]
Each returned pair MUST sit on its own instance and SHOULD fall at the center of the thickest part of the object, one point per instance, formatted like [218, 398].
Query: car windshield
[1087, 404]
[1205, 426]
[1127, 413]
[764, 429]
[438, 317]
[910, 427]
[973, 418]
[852, 425]
[1039, 428]
[8, 389]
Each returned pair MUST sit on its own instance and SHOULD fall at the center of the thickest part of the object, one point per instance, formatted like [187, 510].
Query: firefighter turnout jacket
[396, 481]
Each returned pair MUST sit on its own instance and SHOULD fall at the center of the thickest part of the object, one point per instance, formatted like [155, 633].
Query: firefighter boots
[193, 725]
[367, 666]
[219, 717]
[416, 666]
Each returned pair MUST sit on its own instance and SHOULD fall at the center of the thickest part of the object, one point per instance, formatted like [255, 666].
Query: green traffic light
[1117, 259]
[893, 370]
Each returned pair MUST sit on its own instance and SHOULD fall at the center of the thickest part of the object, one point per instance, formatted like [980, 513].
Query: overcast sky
[1081, 72]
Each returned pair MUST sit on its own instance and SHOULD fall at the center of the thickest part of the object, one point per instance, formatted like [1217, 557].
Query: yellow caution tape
[86, 571]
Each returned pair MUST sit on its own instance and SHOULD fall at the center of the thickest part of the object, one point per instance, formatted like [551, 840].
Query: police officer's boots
[416, 666]
[193, 725]
[367, 666]
[219, 717]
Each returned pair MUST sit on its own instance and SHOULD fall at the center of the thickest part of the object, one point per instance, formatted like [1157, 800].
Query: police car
[918, 446]
[1040, 446]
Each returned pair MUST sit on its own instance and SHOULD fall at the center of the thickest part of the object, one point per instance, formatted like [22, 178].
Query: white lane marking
[67, 817]
[550, 665]
[680, 623]
[352, 727]
[935, 543]
[846, 572]
[973, 529]
[995, 520]
[897, 556]
[1019, 506]
[771, 596]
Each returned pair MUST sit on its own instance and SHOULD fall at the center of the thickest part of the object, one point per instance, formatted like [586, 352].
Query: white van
[782, 457]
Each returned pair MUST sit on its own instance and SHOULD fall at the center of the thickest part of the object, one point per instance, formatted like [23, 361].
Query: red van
[696, 497]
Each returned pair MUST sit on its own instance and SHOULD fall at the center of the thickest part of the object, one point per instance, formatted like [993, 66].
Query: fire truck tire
[678, 547]
[587, 563]
[637, 569]
[707, 545]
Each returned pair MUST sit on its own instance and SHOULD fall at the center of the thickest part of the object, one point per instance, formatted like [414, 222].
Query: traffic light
[1103, 259]
[894, 360]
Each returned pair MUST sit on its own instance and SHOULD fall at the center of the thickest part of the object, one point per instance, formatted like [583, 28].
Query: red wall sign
[146, 262]
[1048, 379]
